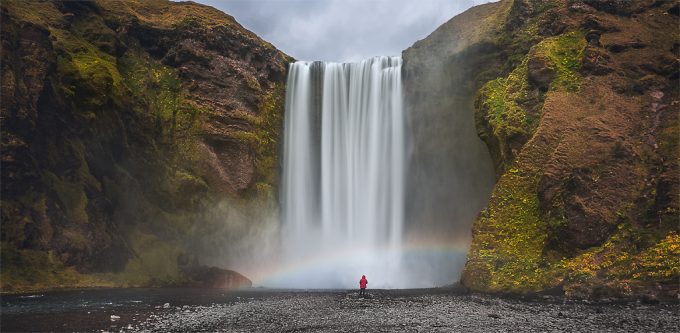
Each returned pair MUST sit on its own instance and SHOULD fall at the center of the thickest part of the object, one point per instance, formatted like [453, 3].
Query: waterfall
[342, 195]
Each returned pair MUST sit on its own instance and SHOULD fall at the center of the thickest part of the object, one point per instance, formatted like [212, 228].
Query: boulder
[201, 276]
[215, 277]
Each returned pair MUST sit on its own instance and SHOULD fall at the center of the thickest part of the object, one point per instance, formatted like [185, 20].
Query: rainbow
[277, 274]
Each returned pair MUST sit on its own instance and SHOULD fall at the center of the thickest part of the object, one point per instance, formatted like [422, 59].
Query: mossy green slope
[566, 97]
[582, 203]
[104, 139]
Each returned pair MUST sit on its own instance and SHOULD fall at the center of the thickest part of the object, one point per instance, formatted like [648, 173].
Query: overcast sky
[342, 30]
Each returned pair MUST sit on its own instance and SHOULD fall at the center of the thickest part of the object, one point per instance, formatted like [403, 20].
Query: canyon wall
[141, 141]
[137, 137]
[577, 102]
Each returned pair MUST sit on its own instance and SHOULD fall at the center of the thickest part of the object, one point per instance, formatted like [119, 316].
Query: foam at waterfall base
[419, 268]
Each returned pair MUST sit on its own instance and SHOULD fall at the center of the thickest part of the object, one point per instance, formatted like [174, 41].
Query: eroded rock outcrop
[577, 103]
[127, 125]
[450, 173]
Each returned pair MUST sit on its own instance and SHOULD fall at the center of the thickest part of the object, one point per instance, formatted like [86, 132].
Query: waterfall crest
[343, 173]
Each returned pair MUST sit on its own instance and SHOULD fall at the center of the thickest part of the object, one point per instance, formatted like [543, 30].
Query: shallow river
[263, 310]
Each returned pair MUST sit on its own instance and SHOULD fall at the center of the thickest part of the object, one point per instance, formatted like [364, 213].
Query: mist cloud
[342, 30]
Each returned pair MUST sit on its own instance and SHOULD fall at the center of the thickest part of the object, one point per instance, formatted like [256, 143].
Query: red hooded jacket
[363, 282]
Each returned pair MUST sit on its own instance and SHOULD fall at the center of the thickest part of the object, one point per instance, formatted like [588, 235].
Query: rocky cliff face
[577, 102]
[450, 175]
[132, 133]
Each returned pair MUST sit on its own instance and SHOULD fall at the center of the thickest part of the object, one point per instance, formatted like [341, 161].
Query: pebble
[389, 311]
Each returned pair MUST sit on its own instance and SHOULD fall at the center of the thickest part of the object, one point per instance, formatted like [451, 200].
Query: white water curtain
[343, 172]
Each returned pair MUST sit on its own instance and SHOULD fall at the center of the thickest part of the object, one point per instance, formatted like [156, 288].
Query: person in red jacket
[362, 284]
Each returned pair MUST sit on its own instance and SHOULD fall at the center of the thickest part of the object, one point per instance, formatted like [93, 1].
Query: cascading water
[343, 174]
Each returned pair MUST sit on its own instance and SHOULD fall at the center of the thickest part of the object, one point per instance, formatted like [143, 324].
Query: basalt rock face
[126, 126]
[577, 102]
[450, 174]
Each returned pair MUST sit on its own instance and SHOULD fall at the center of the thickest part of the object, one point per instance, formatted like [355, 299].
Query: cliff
[450, 174]
[577, 102]
[140, 141]
[132, 133]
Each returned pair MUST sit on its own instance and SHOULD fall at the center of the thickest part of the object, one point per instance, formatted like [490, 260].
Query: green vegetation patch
[41, 13]
[71, 196]
[155, 262]
[501, 101]
[70, 189]
[265, 139]
[509, 239]
[158, 91]
[506, 102]
[508, 252]
[95, 31]
[90, 77]
[21, 212]
[659, 262]
[26, 270]
[620, 259]
[565, 53]
[268, 128]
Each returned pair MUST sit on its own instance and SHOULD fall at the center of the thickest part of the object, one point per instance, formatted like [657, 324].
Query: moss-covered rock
[115, 116]
[509, 108]
[579, 133]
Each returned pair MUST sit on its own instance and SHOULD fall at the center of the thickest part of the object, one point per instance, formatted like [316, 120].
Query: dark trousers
[362, 291]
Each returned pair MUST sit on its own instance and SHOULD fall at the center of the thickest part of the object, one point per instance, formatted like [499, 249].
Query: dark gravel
[390, 311]
[423, 310]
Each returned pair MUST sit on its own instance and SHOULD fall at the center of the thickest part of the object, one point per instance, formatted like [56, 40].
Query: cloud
[342, 30]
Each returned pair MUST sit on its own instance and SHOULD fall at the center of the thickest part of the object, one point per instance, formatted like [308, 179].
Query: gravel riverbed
[426, 310]
[390, 311]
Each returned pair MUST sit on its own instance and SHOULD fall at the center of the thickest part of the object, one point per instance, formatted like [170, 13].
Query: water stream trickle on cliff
[343, 174]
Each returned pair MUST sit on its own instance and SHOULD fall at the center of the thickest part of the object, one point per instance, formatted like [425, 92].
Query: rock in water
[213, 277]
